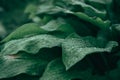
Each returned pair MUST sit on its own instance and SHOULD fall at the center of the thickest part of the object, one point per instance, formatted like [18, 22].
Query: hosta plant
[65, 40]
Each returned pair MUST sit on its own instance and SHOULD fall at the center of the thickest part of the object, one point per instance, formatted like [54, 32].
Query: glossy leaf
[31, 45]
[75, 49]
[56, 71]
[12, 65]
[95, 21]
[31, 29]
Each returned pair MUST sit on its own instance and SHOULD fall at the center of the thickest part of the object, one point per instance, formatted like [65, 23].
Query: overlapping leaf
[30, 29]
[31, 45]
[12, 65]
[15, 64]
[56, 71]
[88, 8]
[90, 14]
[60, 6]
[75, 49]
[24, 31]
[95, 21]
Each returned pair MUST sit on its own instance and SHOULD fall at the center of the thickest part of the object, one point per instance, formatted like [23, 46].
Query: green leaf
[89, 13]
[54, 7]
[58, 25]
[31, 45]
[24, 31]
[94, 20]
[12, 65]
[88, 8]
[29, 64]
[46, 19]
[56, 71]
[31, 29]
[50, 9]
[31, 9]
[58, 28]
[75, 49]
[90, 55]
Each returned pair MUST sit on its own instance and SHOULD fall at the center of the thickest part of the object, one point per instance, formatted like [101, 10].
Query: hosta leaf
[58, 25]
[26, 63]
[24, 31]
[31, 29]
[31, 9]
[94, 20]
[31, 44]
[50, 9]
[53, 7]
[56, 71]
[12, 65]
[88, 9]
[75, 49]
[90, 14]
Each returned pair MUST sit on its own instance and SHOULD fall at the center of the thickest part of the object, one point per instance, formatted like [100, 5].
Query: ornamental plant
[65, 40]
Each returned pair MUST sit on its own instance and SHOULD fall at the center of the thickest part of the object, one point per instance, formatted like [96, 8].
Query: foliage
[64, 40]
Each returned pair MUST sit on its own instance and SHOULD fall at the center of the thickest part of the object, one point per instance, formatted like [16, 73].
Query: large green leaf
[31, 29]
[56, 71]
[90, 14]
[88, 8]
[86, 12]
[59, 25]
[12, 65]
[50, 9]
[15, 64]
[24, 31]
[31, 44]
[31, 9]
[75, 49]
[53, 7]
[94, 20]
[35, 46]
